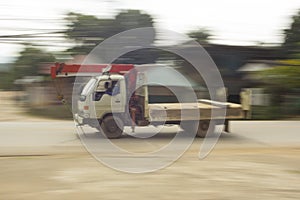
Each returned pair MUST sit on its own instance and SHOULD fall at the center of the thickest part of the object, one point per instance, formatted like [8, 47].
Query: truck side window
[100, 91]
[116, 88]
[101, 86]
[105, 87]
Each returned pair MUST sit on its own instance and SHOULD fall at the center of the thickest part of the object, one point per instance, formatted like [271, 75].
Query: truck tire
[201, 130]
[189, 127]
[112, 127]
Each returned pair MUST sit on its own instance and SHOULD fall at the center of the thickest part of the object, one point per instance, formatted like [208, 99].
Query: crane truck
[115, 96]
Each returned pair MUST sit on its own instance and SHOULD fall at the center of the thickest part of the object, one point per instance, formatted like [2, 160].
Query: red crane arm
[65, 70]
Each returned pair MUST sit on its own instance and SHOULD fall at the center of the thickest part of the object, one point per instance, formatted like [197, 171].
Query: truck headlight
[82, 98]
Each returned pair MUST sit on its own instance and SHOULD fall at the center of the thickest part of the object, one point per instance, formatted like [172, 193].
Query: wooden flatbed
[194, 111]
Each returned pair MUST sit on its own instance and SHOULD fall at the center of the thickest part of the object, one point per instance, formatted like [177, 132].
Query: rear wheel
[190, 127]
[112, 127]
[201, 130]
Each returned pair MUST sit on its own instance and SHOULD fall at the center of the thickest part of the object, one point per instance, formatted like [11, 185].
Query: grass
[51, 111]
[265, 113]
[274, 113]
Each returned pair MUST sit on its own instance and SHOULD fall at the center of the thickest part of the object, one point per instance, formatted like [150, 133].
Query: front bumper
[78, 119]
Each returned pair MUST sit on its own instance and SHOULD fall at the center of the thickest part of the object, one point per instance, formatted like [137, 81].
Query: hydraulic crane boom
[65, 70]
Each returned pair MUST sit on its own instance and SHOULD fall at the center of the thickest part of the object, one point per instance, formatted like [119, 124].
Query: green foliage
[282, 77]
[282, 83]
[53, 111]
[292, 37]
[27, 64]
[266, 112]
[130, 19]
[29, 61]
[88, 31]
[6, 81]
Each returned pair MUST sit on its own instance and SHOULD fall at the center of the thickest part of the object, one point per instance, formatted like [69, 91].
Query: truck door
[118, 96]
[142, 91]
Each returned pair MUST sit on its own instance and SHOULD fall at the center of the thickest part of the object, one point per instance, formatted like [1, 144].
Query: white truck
[115, 96]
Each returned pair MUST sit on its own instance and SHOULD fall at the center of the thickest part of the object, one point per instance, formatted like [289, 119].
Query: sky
[234, 22]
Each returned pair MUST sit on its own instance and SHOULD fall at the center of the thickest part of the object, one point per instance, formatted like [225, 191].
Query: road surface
[46, 160]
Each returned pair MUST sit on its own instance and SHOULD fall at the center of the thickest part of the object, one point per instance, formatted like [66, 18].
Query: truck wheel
[189, 126]
[112, 127]
[203, 128]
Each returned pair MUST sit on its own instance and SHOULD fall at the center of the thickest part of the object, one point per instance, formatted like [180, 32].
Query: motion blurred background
[255, 44]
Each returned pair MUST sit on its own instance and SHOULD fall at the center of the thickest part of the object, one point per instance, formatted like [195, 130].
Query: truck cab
[108, 98]
[100, 96]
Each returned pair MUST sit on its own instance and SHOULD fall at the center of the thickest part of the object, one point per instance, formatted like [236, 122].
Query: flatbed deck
[194, 111]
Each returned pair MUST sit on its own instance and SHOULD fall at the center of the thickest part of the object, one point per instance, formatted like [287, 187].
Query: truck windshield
[89, 86]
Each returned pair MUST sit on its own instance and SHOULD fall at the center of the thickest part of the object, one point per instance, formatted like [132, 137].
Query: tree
[201, 35]
[27, 64]
[292, 37]
[285, 78]
[29, 61]
[283, 81]
[87, 31]
[130, 19]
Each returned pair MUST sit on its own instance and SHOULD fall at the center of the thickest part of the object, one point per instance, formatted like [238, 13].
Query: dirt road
[41, 160]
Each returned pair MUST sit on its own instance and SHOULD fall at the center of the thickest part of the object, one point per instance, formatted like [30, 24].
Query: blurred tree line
[283, 81]
[87, 31]
[291, 42]
[283, 85]
[27, 64]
